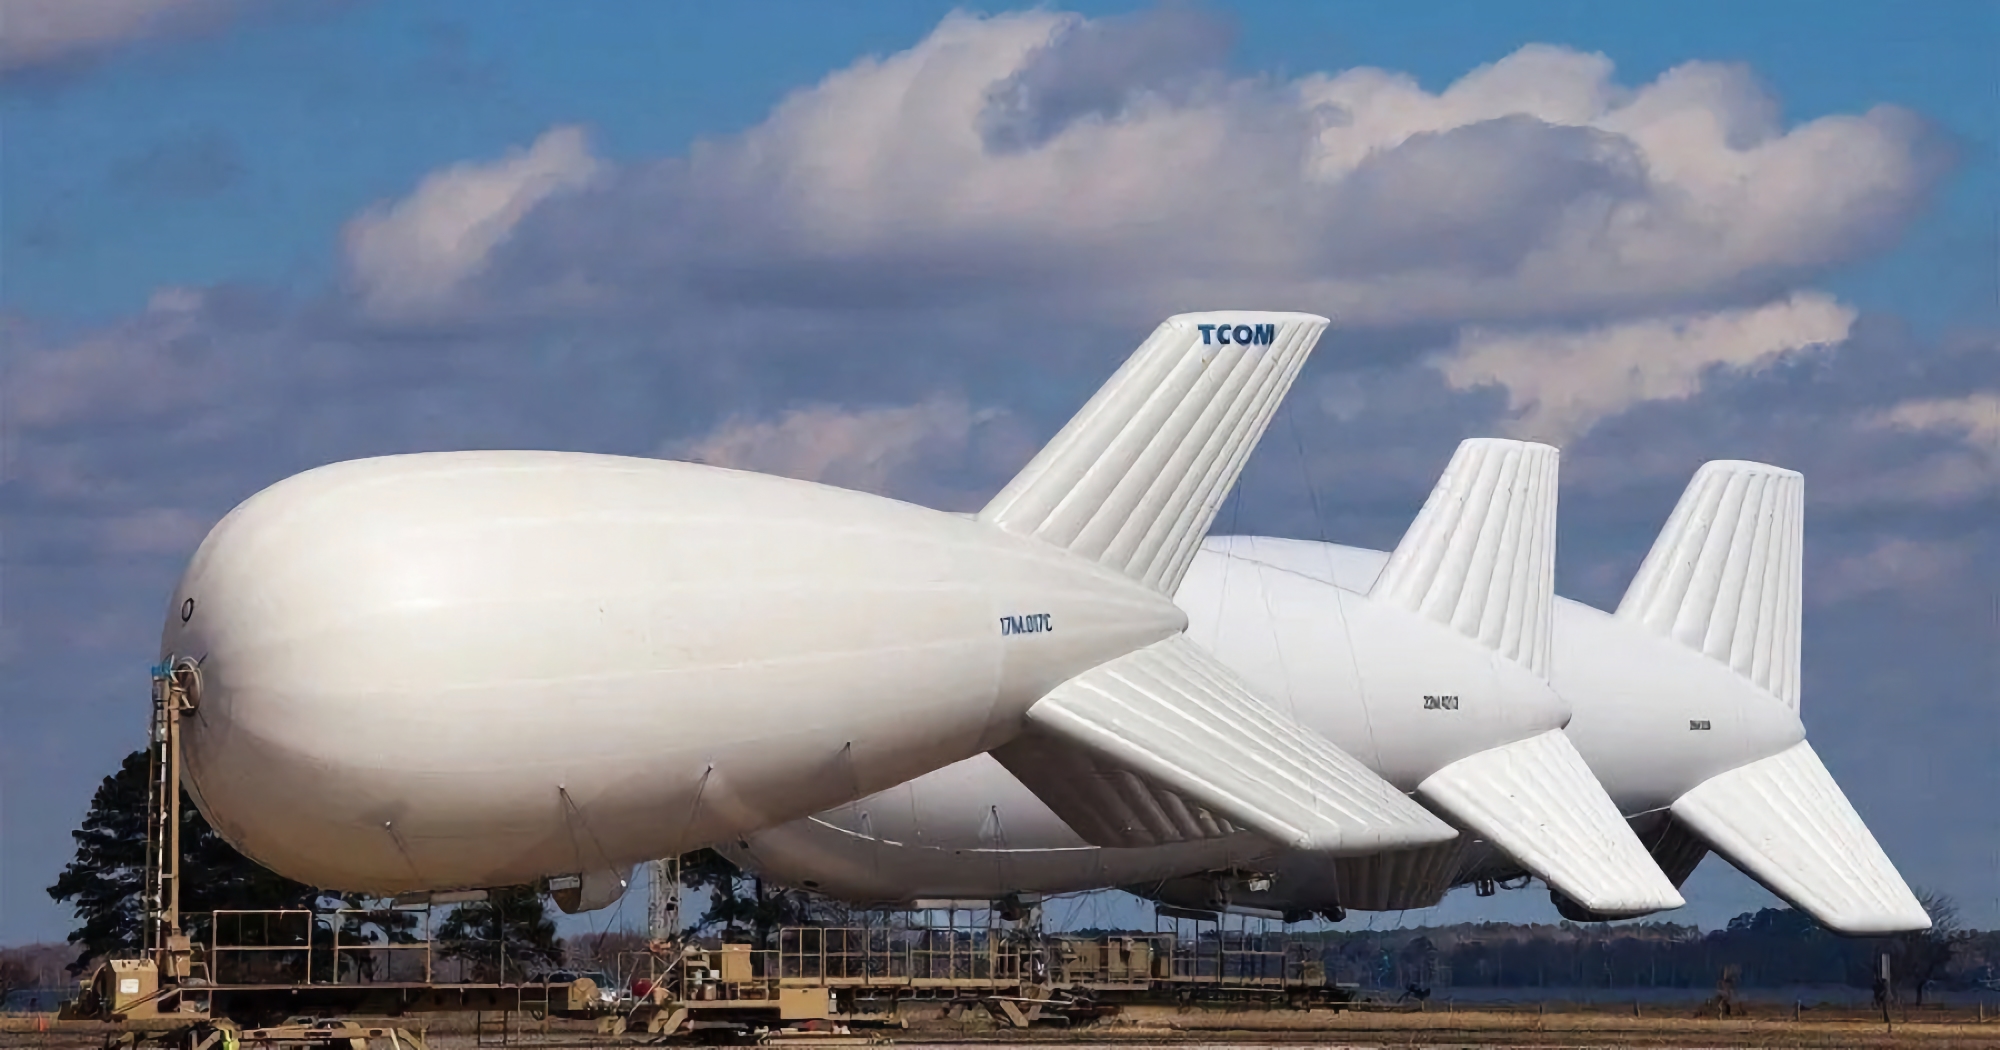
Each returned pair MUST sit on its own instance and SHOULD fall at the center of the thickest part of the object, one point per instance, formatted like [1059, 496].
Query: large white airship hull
[466, 670]
[474, 669]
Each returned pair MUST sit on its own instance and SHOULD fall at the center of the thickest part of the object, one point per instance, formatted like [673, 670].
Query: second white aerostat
[1685, 705]
[1433, 676]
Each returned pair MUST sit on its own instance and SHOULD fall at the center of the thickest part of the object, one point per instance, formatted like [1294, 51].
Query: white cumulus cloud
[1967, 468]
[37, 33]
[407, 258]
[1041, 152]
[866, 449]
[1894, 564]
[1559, 382]
[1975, 416]
[115, 371]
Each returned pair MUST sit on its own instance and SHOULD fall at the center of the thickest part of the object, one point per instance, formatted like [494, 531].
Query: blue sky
[231, 153]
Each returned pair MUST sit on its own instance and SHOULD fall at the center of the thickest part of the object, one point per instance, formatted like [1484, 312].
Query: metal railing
[870, 956]
[1227, 959]
[360, 946]
[348, 946]
[362, 953]
[252, 951]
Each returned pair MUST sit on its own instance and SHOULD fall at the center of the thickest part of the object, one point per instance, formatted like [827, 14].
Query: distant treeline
[1766, 949]
[32, 966]
[1775, 947]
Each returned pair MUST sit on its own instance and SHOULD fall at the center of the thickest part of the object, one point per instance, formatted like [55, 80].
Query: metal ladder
[489, 1030]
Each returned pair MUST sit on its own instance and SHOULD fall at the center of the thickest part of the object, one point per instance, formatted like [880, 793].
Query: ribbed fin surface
[1537, 800]
[1400, 880]
[1723, 577]
[1785, 823]
[1176, 720]
[1135, 479]
[1106, 804]
[1480, 556]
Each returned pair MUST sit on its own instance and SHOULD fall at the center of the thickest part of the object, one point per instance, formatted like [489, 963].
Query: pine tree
[734, 905]
[506, 937]
[105, 882]
[728, 907]
[374, 922]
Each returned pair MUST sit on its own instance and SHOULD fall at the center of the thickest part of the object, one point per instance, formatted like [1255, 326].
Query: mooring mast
[176, 692]
[663, 899]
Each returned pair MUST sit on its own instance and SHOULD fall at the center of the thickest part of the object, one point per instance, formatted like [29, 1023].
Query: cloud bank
[1560, 382]
[867, 449]
[414, 253]
[1022, 153]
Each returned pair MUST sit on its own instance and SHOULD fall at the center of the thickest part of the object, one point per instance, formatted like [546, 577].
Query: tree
[728, 906]
[13, 974]
[1788, 924]
[372, 923]
[105, 882]
[505, 937]
[738, 900]
[608, 951]
[106, 879]
[1921, 957]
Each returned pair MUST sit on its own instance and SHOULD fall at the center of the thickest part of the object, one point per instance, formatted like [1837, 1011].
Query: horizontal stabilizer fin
[1785, 823]
[1185, 727]
[1723, 578]
[1404, 879]
[1480, 556]
[1135, 479]
[1105, 803]
[1537, 800]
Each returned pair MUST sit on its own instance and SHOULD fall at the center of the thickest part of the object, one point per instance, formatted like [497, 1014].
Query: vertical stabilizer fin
[1537, 800]
[1480, 556]
[1180, 748]
[1785, 823]
[1723, 578]
[1135, 478]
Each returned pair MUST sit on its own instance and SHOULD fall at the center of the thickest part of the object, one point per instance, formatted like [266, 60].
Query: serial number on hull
[1032, 623]
[1440, 703]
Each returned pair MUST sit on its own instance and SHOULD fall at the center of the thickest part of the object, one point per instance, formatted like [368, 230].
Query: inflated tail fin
[1135, 479]
[1723, 577]
[1785, 823]
[1404, 879]
[1103, 801]
[1536, 800]
[1480, 559]
[1480, 556]
[1176, 747]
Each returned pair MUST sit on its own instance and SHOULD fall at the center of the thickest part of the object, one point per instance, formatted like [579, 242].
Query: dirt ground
[1144, 1028]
